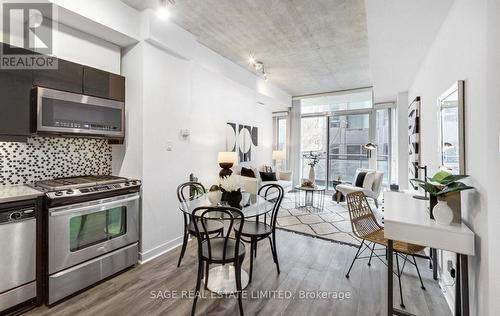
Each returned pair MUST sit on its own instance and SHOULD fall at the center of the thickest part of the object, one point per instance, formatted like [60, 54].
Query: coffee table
[311, 199]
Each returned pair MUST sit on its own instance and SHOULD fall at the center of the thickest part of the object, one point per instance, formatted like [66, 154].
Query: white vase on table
[443, 214]
[214, 197]
[312, 175]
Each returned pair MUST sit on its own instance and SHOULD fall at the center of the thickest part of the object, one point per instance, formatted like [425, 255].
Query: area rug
[332, 224]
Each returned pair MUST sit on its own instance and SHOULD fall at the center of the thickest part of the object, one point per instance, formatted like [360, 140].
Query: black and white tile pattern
[44, 158]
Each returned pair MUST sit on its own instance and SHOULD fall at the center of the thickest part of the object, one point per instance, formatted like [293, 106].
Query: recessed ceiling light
[163, 11]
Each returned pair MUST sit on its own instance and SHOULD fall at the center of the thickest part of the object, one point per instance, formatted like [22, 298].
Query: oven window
[90, 229]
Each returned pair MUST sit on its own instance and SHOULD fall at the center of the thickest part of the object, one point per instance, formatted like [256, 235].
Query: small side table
[337, 196]
[310, 199]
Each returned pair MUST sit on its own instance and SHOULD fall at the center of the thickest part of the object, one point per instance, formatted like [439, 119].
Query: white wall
[492, 152]
[80, 47]
[402, 141]
[462, 51]
[180, 85]
[83, 48]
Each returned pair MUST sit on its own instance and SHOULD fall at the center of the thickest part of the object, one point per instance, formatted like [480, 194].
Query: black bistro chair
[187, 192]
[255, 231]
[219, 250]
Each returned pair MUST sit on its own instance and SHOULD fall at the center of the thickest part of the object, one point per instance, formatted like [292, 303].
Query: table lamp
[369, 148]
[278, 155]
[226, 160]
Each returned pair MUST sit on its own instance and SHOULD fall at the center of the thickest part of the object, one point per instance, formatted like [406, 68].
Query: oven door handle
[92, 208]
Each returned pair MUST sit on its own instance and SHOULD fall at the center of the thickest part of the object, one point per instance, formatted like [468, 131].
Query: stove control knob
[70, 191]
[134, 182]
[15, 216]
[127, 184]
[59, 193]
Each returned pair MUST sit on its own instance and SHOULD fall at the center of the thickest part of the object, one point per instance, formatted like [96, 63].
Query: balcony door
[347, 135]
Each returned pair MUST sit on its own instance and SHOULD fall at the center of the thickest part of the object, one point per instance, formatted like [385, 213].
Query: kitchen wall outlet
[169, 145]
[185, 133]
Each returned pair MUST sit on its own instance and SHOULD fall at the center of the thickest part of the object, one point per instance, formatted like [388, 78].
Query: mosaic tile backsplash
[44, 158]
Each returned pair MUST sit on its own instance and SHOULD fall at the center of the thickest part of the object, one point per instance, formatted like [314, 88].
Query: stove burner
[85, 185]
[78, 182]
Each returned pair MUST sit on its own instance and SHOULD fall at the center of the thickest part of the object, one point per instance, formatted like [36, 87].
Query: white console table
[407, 219]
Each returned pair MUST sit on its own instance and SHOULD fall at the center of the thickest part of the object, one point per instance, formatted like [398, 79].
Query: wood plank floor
[307, 264]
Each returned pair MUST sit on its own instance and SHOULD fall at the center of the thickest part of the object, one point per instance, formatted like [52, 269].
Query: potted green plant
[313, 159]
[440, 185]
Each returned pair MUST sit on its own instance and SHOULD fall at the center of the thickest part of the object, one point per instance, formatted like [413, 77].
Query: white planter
[312, 175]
[214, 197]
[443, 214]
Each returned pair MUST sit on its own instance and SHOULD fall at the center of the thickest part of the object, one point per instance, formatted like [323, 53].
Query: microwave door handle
[92, 208]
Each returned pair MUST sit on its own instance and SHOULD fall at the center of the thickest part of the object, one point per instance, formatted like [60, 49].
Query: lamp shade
[227, 157]
[371, 146]
[279, 155]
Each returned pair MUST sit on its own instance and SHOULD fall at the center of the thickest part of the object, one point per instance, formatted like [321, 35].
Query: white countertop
[11, 193]
[407, 219]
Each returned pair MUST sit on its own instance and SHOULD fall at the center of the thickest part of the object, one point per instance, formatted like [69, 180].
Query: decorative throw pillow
[369, 179]
[360, 177]
[245, 172]
[364, 179]
[268, 176]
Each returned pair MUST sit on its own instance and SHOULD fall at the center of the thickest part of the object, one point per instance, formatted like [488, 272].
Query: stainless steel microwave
[66, 113]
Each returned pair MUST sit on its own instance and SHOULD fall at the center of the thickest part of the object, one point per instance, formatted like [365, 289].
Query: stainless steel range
[93, 230]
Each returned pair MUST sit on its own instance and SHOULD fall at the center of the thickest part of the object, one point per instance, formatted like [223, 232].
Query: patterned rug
[332, 224]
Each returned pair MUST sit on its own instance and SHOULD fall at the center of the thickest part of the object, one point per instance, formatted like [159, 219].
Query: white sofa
[372, 192]
[252, 185]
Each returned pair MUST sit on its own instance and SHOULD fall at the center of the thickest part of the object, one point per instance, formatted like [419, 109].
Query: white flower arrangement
[231, 183]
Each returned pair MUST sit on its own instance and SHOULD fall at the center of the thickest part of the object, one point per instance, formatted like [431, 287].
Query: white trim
[338, 92]
[448, 295]
[159, 250]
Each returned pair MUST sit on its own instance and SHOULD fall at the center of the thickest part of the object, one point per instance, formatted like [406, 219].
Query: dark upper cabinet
[15, 91]
[103, 84]
[67, 77]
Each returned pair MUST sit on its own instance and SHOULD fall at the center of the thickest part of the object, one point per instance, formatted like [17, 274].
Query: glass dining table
[221, 278]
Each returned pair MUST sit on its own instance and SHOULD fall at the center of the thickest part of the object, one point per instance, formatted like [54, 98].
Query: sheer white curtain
[294, 147]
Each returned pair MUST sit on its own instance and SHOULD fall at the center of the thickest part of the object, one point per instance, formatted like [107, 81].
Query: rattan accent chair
[365, 227]
[187, 192]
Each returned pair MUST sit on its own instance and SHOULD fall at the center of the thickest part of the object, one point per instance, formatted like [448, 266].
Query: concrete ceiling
[400, 33]
[307, 46]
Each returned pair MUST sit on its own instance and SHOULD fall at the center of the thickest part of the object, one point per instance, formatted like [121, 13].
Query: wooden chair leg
[207, 268]
[183, 249]
[275, 253]
[252, 249]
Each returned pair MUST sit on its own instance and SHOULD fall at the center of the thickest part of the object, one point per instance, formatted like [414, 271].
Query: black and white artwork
[242, 138]
[414, 138]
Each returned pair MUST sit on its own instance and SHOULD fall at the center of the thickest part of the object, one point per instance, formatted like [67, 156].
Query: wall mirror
[452, 128]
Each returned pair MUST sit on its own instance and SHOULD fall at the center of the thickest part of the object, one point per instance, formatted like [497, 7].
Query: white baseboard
[159, 250]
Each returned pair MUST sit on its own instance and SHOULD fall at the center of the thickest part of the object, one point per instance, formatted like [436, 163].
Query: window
[348, 135]
[383, 141]
[90, 229]
[345, 101]
[281, 133]
[313, 139]
[338, 126]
